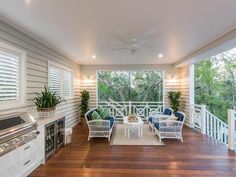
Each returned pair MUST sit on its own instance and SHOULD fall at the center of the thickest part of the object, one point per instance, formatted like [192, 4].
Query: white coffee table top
[125, 120]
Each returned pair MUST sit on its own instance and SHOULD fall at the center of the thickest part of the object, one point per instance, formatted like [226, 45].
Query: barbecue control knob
[4, 146]
[15, 141]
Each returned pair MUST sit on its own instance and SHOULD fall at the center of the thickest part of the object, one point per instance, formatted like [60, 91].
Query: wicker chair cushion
[167, 111]
[95, 116]
[89, 116]
[112, 120]
[157, 125]
[150, 119]
[180, 116]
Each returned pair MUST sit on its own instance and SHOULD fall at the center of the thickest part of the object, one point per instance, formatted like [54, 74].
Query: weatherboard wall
[36, 77]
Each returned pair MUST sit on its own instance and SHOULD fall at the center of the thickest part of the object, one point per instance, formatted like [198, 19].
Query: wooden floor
[197, 156]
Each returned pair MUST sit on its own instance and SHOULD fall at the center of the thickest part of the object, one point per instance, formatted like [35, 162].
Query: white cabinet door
[20, 161]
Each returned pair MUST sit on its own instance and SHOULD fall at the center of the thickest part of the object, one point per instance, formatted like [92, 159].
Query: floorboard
[198, 156]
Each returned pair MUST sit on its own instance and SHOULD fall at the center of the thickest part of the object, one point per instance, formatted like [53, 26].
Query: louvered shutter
[54, 79]
[67, 83]
[9, 76]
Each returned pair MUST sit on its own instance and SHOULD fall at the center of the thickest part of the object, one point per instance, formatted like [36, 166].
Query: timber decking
[198, 156]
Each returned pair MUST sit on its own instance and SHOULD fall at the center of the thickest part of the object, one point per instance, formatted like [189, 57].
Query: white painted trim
[22, 79]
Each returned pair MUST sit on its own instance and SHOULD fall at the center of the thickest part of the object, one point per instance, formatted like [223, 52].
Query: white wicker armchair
[99, 128]
[156, 117]
[171, 128]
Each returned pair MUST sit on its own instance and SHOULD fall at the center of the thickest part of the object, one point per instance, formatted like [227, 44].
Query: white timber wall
[175, 79]
[37, 59]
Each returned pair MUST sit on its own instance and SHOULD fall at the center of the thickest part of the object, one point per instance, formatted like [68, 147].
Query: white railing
[209, 124]
[196, 117]
[216, 128]
[121, 109]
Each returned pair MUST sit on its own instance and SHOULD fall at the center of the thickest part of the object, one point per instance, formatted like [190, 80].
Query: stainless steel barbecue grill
[16, 130]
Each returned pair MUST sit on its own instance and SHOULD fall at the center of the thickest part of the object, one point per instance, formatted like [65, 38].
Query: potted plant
[174, 98]
[84, 102]
[46, 102]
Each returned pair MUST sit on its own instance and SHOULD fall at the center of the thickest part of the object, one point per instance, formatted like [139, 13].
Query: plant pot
[46, 112]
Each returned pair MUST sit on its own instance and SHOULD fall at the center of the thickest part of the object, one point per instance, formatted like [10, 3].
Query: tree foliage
[215, 84]
[130, 85]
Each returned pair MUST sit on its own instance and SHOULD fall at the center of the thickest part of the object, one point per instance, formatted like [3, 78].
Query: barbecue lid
[15, 124]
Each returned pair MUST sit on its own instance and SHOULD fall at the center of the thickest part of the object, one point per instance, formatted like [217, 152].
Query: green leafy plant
[47, 99]
[174, 98]
[84, 102]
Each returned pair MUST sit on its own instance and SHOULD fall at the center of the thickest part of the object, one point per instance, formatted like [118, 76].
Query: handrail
[121, 109]
[209, 124]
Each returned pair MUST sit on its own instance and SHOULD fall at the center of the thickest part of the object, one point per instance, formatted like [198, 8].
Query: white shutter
[9, 76]
[67, 83]
[60, 80]
[54, 79]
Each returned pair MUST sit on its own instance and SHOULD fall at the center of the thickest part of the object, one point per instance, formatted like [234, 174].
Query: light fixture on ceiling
[94, 57]
[160, 55]
[27, 1]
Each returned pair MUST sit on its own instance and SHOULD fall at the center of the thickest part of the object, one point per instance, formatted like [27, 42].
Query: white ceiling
[81, 28]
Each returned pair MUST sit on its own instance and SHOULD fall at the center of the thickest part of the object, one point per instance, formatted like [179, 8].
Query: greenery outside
[130, 86]
[215, 83]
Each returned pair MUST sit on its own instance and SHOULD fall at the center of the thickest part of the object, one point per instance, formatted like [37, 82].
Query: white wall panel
[38, 56]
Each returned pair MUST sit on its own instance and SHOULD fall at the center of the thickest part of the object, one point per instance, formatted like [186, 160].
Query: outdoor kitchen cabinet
[51, 138]
[21, 161]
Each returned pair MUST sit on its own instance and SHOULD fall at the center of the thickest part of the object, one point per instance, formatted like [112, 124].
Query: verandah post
[203, 119]
[231, 129]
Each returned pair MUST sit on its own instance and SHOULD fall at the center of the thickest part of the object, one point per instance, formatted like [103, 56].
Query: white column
[191, 93]
[231, 129]
[203, 119]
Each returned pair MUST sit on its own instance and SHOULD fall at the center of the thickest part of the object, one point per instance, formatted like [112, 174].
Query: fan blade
[122, 48]
[124, 40]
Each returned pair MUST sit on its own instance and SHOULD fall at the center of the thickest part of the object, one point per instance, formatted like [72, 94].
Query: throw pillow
[95, 115]
[104, 112]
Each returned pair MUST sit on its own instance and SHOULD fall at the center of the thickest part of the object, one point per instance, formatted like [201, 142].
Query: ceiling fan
[132, 44]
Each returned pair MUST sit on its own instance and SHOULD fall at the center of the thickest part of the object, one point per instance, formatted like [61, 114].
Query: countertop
[44, 121]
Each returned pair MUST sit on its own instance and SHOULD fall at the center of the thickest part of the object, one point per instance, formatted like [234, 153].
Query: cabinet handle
[27, 162]
[26, 148]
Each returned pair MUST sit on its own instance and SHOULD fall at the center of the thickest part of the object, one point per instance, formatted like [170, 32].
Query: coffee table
[133, 127]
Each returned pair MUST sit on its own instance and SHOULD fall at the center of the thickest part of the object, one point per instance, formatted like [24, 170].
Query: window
[60, 80]
[12, 70]
[125, 86]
